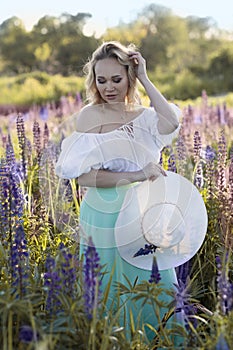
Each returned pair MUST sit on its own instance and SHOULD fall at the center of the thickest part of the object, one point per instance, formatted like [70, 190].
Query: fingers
[153, 171]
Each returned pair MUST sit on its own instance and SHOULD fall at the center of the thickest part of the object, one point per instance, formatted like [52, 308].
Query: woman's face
[111, 80]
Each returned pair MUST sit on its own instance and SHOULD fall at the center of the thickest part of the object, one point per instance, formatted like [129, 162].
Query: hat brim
[173, 189]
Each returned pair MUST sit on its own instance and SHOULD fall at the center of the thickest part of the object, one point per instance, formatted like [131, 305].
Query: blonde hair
[111, 49]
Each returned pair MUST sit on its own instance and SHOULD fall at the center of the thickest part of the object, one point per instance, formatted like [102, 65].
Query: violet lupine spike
[172, 163]
[92, 279]
[68, 271]
[231, 181]
[222, 158]
[224, 286]
[197, 146]
[155, 276]
[183, 305]
[22, 142]
[181, 154]
[45, 136]
[10, 154]
[5, 219]
[210, 156]
[183, 271]
[52, 284]
[148, 249]
[36, 138]
[198, 176]
[27, 334]
[19, 261]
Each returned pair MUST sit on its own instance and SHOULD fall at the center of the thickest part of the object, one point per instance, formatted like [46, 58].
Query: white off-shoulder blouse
[128, 148]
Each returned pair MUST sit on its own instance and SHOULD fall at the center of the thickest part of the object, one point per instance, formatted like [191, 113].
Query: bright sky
[107, 13]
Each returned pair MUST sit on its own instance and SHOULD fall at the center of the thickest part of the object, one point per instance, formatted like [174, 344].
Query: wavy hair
[111, 49]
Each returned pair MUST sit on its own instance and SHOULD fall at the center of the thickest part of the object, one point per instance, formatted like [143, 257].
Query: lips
[111, 97]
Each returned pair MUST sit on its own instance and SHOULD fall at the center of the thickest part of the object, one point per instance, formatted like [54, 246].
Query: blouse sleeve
[162, 139]
[79, 154]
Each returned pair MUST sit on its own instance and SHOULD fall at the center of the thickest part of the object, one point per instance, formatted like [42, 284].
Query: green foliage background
[184, 55]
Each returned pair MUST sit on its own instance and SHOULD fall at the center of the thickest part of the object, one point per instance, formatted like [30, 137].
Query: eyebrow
[114, 76]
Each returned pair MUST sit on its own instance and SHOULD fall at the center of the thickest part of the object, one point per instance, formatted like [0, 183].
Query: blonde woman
[116, 145]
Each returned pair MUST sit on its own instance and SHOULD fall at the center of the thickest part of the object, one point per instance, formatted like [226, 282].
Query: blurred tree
[132, 32]
[16, 46]
[183, 54]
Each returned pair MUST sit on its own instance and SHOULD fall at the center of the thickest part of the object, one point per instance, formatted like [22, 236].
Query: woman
[117, 144]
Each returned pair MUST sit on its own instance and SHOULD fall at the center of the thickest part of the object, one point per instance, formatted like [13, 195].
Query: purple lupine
[196, 146]
[183, 305]
[224, 287]
[210, 155]
[69, 265]
[36, 138]
[181, 153]
[172, 163]
[4, 204]
[19, 261]
[155, 276]
[222, 158]
[148, 249]
[231, 180]
[92, 281]
[45, 136]
[198, 176]
[27, 334]
[52, 284]
[22, 142]
[182, 271]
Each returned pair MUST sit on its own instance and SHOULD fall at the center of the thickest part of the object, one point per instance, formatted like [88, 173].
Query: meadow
[49, 298]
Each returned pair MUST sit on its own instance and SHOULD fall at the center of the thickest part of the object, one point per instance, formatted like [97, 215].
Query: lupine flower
[182, 272]
[20, 261]
[92, 280]
[12, 199]
[231, 180]
[22, 142]
[148, 249]
[27, 334]
[155, 276]
[183, 305]
[53, 284]
[172, 163]
[197, 146]
[210, 153]
[68, 271]
[222, 157]
[45, 135]
[36, 138]
[181, 153]
[198, 176]
[224, 287]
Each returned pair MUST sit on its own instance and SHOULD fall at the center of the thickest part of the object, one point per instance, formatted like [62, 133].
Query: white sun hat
[168, 213]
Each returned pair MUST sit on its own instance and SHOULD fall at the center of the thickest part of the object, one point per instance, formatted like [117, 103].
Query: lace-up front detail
[128, 129]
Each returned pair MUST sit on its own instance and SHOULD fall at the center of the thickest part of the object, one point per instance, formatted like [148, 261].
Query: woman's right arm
[107, 178]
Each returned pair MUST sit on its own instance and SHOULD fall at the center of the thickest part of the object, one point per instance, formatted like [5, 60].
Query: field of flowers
[49, 299]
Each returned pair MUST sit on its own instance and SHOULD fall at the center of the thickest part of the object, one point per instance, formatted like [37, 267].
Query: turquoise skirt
[98, 213]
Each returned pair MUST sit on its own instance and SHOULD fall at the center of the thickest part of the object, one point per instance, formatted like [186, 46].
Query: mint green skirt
[98, 213]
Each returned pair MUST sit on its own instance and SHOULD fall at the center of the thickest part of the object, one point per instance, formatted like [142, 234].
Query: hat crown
[163, 225]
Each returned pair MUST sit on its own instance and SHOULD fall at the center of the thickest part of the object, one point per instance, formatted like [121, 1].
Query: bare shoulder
[89, 120]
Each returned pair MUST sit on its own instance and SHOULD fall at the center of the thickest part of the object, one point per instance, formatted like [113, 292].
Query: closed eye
[117, 80]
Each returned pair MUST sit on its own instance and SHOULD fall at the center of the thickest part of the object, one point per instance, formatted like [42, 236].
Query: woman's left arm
[168, 120]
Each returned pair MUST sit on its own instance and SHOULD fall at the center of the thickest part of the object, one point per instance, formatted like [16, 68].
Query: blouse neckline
[117, 129]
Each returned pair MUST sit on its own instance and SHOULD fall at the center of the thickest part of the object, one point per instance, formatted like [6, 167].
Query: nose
[109, 86]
